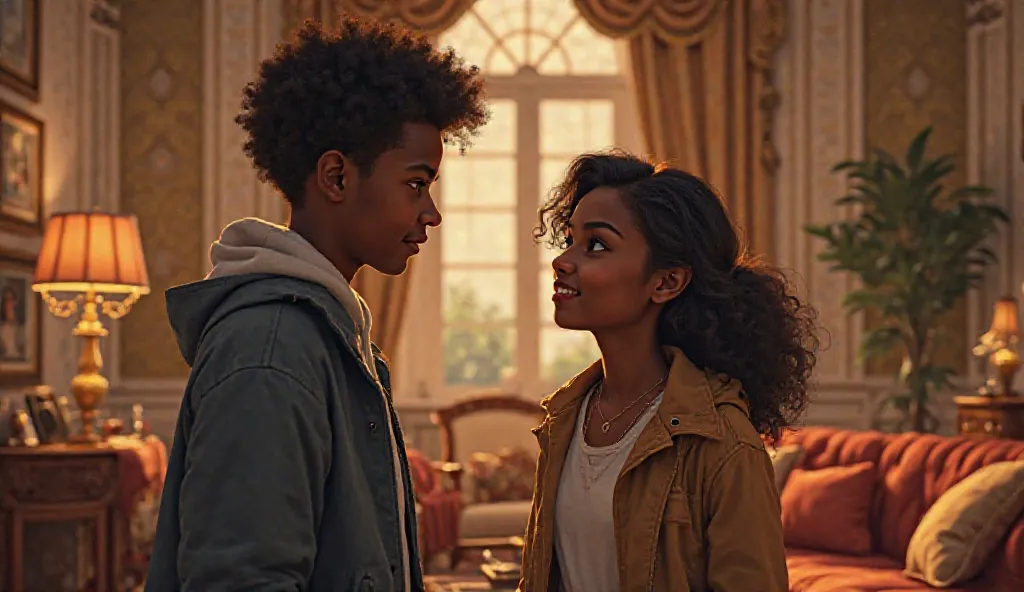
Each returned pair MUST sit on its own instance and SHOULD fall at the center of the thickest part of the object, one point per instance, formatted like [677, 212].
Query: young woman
[652, 473]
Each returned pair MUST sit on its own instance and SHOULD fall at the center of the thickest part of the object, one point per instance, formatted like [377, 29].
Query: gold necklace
[607, 425]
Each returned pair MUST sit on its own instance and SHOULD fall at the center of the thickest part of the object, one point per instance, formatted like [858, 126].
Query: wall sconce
[1000, 344]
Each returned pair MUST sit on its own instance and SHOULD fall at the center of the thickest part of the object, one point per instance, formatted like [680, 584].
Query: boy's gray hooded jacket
[288, 468]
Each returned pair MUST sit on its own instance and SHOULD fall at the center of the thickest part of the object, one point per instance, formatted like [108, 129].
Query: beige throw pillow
[784, 460]
[959, 532]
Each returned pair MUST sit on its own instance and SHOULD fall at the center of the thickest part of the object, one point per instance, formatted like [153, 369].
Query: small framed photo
[20, 322]
[21, 171]
[19, 46]
[47, 416]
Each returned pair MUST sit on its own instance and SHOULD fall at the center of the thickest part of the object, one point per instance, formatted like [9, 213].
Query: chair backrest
[501, 421]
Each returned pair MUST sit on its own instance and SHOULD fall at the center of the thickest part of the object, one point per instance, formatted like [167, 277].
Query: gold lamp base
[89, 387]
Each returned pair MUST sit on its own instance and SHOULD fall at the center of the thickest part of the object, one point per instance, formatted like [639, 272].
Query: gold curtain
[385, 295]
[703, 83]
[430, 17]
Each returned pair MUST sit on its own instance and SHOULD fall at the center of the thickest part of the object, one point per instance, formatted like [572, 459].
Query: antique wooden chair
[489, 423]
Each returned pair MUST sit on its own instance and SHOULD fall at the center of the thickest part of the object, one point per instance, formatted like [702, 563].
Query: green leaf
[917, 147]
[879, 342]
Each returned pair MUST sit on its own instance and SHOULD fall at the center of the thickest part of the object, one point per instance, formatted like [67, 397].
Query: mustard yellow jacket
[695, 506]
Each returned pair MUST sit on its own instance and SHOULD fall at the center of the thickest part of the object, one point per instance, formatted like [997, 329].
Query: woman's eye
[595, 245]
[567, 242]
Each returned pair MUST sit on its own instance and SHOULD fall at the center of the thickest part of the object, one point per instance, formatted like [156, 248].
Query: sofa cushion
[495, 520]
[959, 532]
[813, 571]
[784, 460]
[819, 505]
[918, 469]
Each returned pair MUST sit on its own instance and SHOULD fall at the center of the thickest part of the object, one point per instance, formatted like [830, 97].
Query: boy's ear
[332, 169]
[671, 283]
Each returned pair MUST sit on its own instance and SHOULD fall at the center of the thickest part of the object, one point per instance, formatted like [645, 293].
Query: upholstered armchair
[496, 458]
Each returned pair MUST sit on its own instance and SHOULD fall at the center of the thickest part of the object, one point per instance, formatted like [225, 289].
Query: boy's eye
[417, 185]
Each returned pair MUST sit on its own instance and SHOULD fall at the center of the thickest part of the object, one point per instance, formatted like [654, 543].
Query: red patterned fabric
[441, 509]
[913, 471]
[142, 464]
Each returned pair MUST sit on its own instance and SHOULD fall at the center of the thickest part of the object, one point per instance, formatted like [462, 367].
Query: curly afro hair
[738, 316]
[353, 89]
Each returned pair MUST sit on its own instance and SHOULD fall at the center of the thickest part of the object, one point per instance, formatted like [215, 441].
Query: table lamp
[1000, 343]
[90, 263]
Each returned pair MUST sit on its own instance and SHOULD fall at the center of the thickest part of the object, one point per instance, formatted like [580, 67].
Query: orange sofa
[913, 470]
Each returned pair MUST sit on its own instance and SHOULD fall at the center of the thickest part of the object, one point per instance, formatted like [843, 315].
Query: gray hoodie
[282, 476]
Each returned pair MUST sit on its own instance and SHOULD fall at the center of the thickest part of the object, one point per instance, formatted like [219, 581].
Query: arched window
[482, 287]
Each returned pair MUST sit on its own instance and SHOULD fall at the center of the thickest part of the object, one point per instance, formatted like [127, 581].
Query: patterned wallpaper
[161, 168]
[915, 69]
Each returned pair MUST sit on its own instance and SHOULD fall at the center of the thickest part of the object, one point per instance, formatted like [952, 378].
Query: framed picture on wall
[21, 171]
[20, 322]
[19, 46]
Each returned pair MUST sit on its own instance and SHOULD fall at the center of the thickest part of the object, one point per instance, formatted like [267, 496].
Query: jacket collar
[687, 405]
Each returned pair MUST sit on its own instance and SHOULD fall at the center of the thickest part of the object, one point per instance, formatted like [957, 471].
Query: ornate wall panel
[915, 65]
[820, 79]
[161, 170]
[995, 142]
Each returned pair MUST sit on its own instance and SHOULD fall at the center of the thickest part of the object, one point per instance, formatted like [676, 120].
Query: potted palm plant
[917, 247]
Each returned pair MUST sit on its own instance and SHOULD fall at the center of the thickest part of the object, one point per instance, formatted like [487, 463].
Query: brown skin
[619, 301]
[378, 219]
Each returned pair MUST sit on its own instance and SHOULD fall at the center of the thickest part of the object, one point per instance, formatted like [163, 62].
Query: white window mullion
[528, 310]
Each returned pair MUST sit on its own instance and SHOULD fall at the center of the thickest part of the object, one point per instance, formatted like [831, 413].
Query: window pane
[565, 353]
[588, 53]
[499, 135]
[478, 238]
[478, 181]
[546, 288]
[552, 171]
[478, 356]
[479, 297]
[572, 127]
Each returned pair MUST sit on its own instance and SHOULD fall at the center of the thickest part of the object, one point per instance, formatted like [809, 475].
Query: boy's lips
[414, 243]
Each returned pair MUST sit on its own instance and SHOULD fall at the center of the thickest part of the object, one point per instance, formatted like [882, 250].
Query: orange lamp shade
[1005, 318]
[91, 251]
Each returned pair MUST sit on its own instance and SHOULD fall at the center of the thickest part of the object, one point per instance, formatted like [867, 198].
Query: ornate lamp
[1001, 344]
[90, 263]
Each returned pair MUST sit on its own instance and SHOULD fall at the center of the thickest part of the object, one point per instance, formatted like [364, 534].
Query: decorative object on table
[916, 249]
[91, 263]
[23, 433]
[501, 575]
[990, 416]
[21, 171]
[19, 46]
[20, 322]
[49, 421]
[1001, 345]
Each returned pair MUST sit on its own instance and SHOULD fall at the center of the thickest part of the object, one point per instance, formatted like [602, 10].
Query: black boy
[288, 469]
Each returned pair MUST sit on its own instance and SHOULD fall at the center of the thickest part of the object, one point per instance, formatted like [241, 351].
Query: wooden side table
[990, 417]
[57, 515]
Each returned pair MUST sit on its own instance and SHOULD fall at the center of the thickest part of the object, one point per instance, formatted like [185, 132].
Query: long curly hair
[738, 316]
